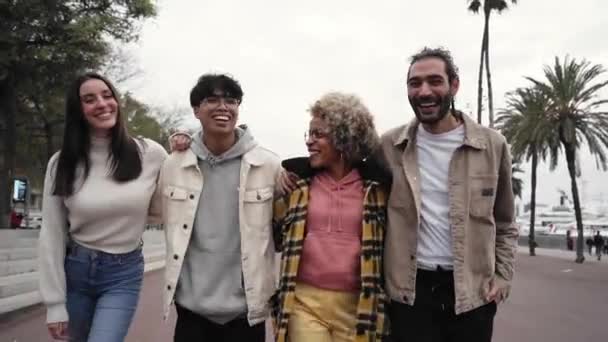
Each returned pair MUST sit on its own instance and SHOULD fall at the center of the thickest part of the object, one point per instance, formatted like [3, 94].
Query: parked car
[32, 221]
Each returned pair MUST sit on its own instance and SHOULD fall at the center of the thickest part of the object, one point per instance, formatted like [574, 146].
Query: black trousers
[193, 327]
[433, 319]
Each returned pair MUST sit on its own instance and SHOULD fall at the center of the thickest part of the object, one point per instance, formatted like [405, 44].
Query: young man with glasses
[217, 210]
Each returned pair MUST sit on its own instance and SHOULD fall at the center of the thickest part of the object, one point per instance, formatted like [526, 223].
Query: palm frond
[573, 88]
[474, 6]
[526, 124]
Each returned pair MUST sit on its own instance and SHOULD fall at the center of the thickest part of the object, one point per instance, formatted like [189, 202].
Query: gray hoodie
[211, 282]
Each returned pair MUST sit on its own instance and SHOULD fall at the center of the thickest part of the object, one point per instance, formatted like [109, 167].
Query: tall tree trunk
[480, 76]
[48, 137]
[531, 238]
[47, 127]
[571, 159]
[488, 75]
[8, 128]
[50, 148]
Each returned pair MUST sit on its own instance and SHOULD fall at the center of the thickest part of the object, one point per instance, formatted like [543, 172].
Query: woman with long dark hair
[97, 195]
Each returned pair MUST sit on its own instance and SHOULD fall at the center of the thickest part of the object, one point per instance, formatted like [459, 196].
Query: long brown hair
[126, 162]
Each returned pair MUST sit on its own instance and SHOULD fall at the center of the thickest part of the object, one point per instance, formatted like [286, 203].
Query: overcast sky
[286, 54]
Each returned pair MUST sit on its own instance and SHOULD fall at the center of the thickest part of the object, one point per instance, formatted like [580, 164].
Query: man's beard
[444, 102]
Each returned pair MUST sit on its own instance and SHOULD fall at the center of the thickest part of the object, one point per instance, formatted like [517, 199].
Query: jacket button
[412, 257]
[169, 287]
[175, 256]
[185, 226]
[191, 196]
[405, 298]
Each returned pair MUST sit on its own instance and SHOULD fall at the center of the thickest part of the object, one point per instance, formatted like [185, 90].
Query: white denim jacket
[177, 195]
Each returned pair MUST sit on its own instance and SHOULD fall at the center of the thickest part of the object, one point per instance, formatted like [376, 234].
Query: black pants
[433, 319]
[193, 327]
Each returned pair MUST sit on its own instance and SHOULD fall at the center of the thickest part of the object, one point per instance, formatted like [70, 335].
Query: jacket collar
[473, 133]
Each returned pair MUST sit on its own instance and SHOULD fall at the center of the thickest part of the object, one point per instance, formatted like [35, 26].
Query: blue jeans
[102, 293]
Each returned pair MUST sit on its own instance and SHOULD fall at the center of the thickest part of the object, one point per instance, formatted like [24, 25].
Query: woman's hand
[287, 181]
[58, 330]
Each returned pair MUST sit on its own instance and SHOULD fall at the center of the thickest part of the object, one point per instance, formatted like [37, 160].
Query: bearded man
[451, 233]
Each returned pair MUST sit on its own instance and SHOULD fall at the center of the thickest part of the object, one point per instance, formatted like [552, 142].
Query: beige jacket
[484, 233]
[177, 195]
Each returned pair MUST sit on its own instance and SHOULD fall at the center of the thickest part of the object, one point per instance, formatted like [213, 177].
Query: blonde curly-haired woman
[330, 231]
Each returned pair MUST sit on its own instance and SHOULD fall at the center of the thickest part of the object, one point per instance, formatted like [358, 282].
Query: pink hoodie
[332, 246]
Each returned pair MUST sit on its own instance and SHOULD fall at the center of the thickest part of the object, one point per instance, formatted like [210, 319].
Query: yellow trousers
[322, 315]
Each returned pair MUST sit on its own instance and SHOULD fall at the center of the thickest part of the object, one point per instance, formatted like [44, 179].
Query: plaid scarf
[289, 227]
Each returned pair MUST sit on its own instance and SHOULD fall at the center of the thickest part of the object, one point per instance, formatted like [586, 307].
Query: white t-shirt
[434, 233]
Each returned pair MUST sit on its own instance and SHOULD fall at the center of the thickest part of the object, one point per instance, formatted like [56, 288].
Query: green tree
[488, 6]
[42, 43]
[152, 122]
[575, 113]
[138, 118]
[524, 122]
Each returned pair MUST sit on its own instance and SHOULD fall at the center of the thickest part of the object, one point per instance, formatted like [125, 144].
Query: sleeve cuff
[56, 313]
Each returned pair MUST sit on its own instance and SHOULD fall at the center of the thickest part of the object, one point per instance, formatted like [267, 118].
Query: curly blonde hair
[351, 125]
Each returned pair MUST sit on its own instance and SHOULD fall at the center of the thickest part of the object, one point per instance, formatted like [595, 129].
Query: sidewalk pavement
[563, 254]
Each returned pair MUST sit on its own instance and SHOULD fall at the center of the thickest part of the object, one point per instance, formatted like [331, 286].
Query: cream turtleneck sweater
[103, 215]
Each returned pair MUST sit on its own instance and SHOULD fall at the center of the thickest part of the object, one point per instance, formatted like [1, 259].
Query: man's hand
[179, 141]
[287, 181]
[59, 330]
[496, 292]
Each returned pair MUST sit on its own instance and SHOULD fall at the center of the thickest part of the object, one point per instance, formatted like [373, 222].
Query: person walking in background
[590, 243]
[598, 241]
[97, 198]
[330, 231]
[569, 241]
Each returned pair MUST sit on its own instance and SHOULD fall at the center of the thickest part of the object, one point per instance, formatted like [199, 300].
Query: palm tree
[524, 122]
[573, 90]
[488, 6]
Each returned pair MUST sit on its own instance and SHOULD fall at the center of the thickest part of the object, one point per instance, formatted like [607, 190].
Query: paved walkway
[553, 299]
[565, 255]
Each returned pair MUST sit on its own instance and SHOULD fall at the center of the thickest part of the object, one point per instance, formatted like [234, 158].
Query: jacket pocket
[175, 204]
[175, 193]
[482, 195]
[257, 207]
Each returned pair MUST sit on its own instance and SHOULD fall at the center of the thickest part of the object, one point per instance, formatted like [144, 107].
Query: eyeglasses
[215, 101]
[315, 134]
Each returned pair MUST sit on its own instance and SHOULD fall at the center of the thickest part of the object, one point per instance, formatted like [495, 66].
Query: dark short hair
[444, 54]
[193, 97]
[209, 83]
